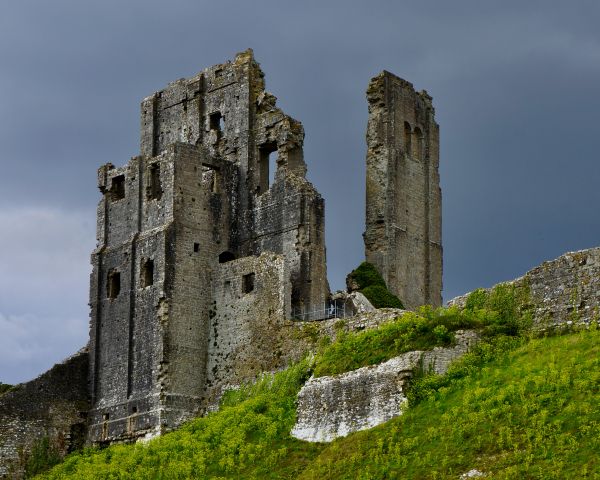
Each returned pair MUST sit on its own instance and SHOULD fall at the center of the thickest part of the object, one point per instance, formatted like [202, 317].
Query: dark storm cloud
[515, 85]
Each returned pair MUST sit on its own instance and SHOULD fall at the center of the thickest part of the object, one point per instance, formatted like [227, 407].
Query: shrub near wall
[371, 284]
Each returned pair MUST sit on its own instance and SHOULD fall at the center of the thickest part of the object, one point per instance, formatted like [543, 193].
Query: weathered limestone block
[331, 407]
[352, 304]
[562, 290]
[53, 406]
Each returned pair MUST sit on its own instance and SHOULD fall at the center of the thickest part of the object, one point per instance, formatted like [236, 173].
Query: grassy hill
[515, 407]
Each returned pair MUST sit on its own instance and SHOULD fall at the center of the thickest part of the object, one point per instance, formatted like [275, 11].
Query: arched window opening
[226, 256]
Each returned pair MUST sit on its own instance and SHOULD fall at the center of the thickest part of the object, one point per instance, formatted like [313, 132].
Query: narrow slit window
[196, 247]
[267, 165]
[153, 186]
[248, 283]
[147, 273]
[113, 284]
[117, 188]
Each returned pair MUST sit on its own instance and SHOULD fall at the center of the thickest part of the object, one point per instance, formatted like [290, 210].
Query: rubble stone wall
[561, 290]
[53, 405]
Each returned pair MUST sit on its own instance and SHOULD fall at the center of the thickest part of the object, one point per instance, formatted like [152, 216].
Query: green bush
[427, 328]
[366, 275]
[371, 284]
[510, 304]
[422, 330]
[4, 388]
[381, 297]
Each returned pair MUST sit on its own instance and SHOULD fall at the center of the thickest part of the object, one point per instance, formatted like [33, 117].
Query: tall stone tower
[197, 239]
[403, 236]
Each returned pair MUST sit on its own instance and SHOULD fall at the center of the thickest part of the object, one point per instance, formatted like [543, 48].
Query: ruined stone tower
[196, 241]
[404, 209]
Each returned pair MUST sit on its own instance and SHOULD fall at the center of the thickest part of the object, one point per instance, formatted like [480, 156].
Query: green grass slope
[515, 407]
[531, 413]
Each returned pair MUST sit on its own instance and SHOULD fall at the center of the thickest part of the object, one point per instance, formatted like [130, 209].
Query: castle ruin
[212, 236]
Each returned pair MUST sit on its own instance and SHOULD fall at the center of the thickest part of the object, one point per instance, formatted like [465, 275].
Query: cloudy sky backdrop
[516, 87]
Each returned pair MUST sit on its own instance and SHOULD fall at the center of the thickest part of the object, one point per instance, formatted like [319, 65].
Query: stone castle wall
[561, 290]
[52, 406]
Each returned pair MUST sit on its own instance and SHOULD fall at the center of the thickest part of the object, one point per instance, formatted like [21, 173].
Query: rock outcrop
[331, 407]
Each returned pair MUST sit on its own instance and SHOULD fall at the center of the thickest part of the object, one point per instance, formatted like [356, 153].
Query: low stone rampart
[52, 406]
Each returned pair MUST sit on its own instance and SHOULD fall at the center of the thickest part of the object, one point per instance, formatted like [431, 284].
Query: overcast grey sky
[516, 87]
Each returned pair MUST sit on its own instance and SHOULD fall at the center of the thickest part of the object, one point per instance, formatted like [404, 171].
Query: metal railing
[319, 312]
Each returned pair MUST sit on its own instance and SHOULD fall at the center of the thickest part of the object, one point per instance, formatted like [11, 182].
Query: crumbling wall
[331, 407]
[403, 196]
[561, 290]
[53, 405]
[226, 109]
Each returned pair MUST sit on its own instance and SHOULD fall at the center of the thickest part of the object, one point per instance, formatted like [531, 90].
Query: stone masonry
[197, 199]
[52, 406]
[562, 290]
[403, 236]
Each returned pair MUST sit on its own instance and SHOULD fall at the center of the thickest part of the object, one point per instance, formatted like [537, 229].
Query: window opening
[117, 187]
[147, 273]
[216, 122]
[210, 178]
[225, 257]
[248, 283]
[196, 247]
[267, 165]
[113, 284]
[153, 186]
